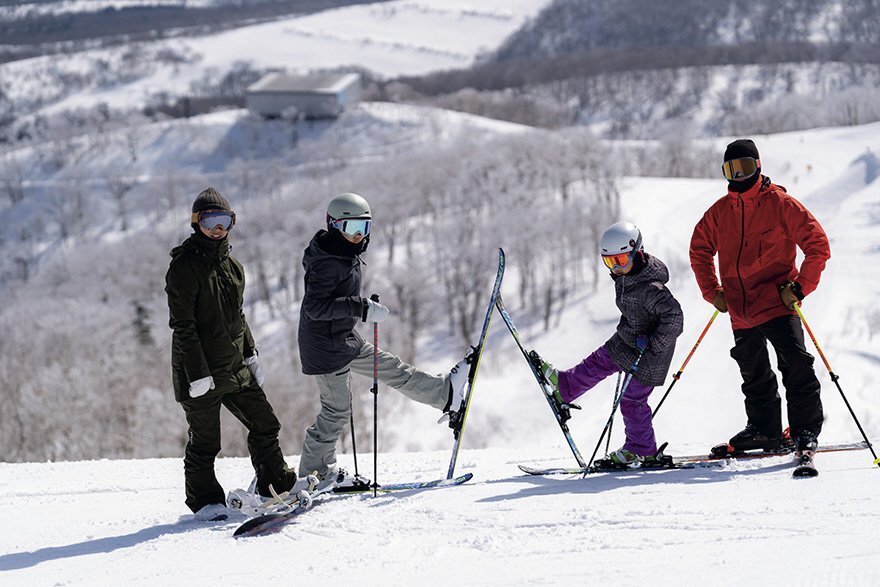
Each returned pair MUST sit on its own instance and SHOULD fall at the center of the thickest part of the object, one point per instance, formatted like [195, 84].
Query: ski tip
[877, 461]
[805, 472]
[265, 524]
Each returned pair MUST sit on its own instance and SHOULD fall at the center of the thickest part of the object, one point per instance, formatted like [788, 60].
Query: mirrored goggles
[210, 219]
[740, 169]
[353, 226]
[618, 260]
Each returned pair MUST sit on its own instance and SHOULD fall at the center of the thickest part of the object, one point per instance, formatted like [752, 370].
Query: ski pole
[834, 378]
[354, 449]
[632, 369]
[375, 391]
[677, 376]
[613, 404]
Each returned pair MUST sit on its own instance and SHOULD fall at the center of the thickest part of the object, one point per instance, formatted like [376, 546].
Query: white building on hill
[309, 96]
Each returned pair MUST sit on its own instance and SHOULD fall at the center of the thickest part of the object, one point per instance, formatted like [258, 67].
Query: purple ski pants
[576, 381]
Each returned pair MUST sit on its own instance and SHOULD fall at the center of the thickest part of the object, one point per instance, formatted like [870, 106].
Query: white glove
[376, 312]
[256, 371]
[200, 387]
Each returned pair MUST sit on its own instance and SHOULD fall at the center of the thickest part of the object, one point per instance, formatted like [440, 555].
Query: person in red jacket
[755, 230]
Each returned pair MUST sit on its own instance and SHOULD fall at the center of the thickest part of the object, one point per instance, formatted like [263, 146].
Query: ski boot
[748, 439]
[459, 375]
[273, 479]
[549, 377]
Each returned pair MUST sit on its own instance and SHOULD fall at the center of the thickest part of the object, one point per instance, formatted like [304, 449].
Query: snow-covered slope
[110, 523]
[834, 171]
[391, 38]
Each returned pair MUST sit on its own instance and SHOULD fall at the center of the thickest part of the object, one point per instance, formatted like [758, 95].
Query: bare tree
[12, 178]
[119, 186]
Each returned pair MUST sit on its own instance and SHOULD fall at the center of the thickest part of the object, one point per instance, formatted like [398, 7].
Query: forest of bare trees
[88, 336]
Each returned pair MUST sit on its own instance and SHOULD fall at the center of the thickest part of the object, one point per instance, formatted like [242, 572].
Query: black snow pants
[763, 405]
[251, 407]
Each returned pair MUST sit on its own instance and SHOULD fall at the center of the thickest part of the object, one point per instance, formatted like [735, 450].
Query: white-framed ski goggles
[353, 226]
[210, 219]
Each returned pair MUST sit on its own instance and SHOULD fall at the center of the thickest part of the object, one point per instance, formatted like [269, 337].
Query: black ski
[805, 466]
[561, 413]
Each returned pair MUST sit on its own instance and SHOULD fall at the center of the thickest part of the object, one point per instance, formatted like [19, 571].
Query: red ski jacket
[754, 234]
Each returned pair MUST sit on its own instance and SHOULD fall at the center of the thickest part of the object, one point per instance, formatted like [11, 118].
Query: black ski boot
[280, 478]
[806, 442]
[750, 438]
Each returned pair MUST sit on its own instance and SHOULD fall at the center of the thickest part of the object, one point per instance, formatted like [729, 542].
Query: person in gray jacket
[651, 320]
[331, 349]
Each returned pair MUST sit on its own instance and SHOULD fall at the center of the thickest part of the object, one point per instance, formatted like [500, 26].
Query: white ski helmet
[620, 238]
[348, 205]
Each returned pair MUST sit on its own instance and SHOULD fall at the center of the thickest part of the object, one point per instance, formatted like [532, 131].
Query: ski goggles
[740, 169]
[353, 226]
[210, 219]
[618, 260]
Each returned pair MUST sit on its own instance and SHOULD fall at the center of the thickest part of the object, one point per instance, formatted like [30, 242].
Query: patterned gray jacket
[646, 307]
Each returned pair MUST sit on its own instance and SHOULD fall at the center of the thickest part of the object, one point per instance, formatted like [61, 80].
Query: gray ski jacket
[646, 307]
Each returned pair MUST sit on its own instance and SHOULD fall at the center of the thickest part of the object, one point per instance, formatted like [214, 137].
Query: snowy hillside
[110, 523]
[834, 172]
[391, 38]
[124, 522]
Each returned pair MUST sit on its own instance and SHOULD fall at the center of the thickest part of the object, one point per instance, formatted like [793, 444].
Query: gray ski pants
[319, 446]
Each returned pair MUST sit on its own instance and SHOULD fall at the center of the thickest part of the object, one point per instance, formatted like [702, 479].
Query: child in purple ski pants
[651, 320]
[634, 407]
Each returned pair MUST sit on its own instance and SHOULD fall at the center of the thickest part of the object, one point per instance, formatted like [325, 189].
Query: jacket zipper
[742, 239]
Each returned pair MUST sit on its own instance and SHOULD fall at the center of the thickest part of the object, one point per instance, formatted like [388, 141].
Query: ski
[691, 462]
[285, 508]
[458, 419]
[277, 511]
[717, 455]
[805, 466]
[434, 484]
[562, 415]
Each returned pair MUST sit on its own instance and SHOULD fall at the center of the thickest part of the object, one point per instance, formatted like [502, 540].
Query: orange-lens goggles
[618, 260]
[740, 169]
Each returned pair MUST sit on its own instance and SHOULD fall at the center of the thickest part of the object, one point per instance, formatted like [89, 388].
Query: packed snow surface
[120, 523]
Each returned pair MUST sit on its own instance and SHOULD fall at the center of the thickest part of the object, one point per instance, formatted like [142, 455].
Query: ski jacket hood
[331, 306]
[756, 235]
[647, 307]
[205, 288]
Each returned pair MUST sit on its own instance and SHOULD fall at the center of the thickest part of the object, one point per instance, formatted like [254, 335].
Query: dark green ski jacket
[205, 288]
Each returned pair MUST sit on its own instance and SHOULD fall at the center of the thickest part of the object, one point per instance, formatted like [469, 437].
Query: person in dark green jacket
[214, 360]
